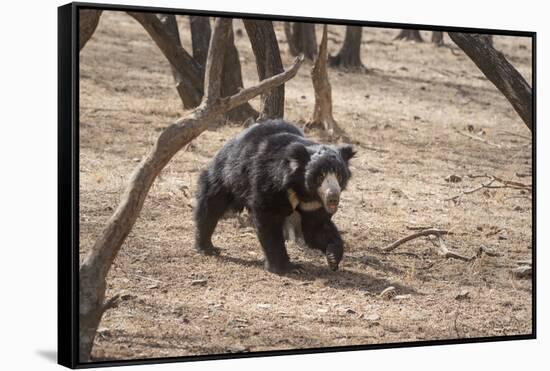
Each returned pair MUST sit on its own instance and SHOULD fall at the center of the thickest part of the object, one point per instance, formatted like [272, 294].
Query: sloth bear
[275, 172]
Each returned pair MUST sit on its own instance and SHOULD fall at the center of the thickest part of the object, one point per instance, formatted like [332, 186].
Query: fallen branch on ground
[489, 185]
[516, 135]
[475, 137]
[446, 253]
[426, 232]
[513, 184]
[442, 247]
[489, 252]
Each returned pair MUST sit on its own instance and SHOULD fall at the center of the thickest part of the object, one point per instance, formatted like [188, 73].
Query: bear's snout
[333, 199]
[329, 191]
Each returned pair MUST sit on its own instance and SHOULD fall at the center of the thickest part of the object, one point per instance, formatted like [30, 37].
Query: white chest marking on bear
[293, 198]
[305, 206]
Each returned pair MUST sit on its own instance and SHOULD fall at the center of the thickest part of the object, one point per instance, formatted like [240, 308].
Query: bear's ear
[297, 156]
[346, 151]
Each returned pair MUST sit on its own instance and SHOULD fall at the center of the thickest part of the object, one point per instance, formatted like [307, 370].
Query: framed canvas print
[243, 185]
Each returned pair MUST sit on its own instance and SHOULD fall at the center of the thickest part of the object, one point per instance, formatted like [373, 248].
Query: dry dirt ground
[405, 118]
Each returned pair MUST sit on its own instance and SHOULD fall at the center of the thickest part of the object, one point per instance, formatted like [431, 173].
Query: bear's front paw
[284, 269]
[208, 251]
[297, 268]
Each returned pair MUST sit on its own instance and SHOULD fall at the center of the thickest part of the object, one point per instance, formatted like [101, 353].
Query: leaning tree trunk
[301, 39]
[232, 82]
[96, 264]
[322, 113]
[410, 35]
[191, 72]
[200, 37]
[437, 38]
[485, 38]
[88, 21]
[499, 71]
[171, 24]
[349, 56]
[268, 62]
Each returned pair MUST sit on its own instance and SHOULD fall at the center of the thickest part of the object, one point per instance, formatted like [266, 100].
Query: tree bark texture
[410, 35]
[190, 71]
[96, 264]
[292, 49]
[232, 82]
[171, 24]
[322, 113]
[200, 37]
[88, 21]
[301, 39]
[349, 56]
[499, 71]
[485, 38]
[268, 62]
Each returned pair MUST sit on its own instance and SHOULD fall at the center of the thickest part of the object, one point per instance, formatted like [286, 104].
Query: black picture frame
[68, 183]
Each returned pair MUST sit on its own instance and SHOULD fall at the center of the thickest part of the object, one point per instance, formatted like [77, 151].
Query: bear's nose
[332, 200]
[333, 197]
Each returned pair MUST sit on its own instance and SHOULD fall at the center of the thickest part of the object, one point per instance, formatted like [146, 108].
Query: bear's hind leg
[211, 205]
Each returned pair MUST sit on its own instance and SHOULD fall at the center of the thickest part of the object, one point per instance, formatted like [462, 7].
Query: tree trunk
[322, 113]
[410, 35]
[301, 39]
[200, 37]
[88, 21]
[232, 82]
[485, 38]
[437, 38]
[349, 56]
[96, 264]
[499, 71]
[268, 62]
[288, 33]
[191, 72]
[171, 24]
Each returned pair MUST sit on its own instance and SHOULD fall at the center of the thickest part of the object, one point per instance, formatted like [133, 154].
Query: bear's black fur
[256, 170]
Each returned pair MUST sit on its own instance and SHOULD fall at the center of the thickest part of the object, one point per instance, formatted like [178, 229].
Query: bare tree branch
[214, 64]
[170, 23]
[248, 93]
[187, 67]
[475, 137]
[97, 262]
[489, 185]
[426, 232]
[444, 251]
[322, 112]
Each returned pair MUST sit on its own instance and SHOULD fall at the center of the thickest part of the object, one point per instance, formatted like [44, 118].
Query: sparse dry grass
[403, 116]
